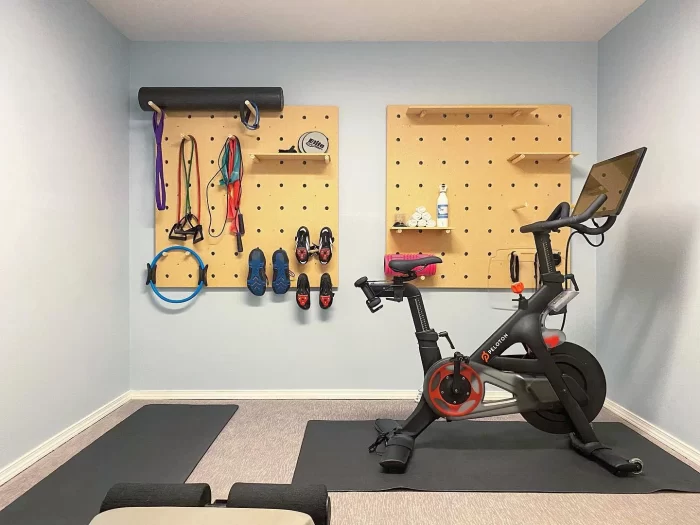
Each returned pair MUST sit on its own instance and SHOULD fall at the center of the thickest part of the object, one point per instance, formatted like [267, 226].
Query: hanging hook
[155, 108]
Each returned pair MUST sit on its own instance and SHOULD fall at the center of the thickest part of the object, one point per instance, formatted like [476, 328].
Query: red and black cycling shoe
[325, 298]
[302, 245]
[303, 292]
[325, 245]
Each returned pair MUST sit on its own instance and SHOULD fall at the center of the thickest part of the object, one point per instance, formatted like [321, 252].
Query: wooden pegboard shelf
[401, 229]
[515, 111]
[320, 157]
[561, 156]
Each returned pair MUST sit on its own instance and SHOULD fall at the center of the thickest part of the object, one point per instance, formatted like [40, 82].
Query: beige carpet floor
[262, 441]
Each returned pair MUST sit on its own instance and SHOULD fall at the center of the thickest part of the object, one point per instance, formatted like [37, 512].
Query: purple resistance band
[160, 179]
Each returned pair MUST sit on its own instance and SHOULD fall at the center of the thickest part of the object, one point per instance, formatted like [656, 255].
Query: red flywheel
[438, 389]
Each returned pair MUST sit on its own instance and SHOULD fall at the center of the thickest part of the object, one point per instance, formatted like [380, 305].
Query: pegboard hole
[420, 162]
[281, 116]
[420, 185]
[398, 162]
[490, 115]
[213, 276]
[559, 115]
[168, 207]
[537, 139]
[489, 230]
[490, 184]
[211, 138]
[442, 277]
[166, 138]
[466, 138]
[467, 115]
[489, 208]
[213, 207]
[536, 185]
[444, 115]
[398, 116]
[489, 254]
[490, 139]
[212, 161]
[212, 230]
[537, 115]
[512, 184]
[466, 162]
[258, 230]
[303, 207]
[490, 162]
[166, 230]
[189, 275]
[466, 253]
[513, 139]
[235, 275]
[444, 139]
[189, 116]
[281, 207]
[466, 184]
[326, 208]
[512, 230]
[327, 185]
[559, 139]
[235, 253]
[281, 162]
[167, 184]
[303, 185]
[327, 117]
[536, 207]
[259, 208]
[398, 208]
[211, 116]
[398, 139]
[258, 185]
[211, 185]
[466, 208]
[281, 230]
[489, 277]
[166, 161]
[442, 254]
[281, 185]
[257, 138]
[444, 162]
[167, 276]
[558, 184]
[281, 139]
[213, 253]
[420, 139]
[466, 230]
[304, 162]
[303, 117]
[235, 117]
[466, 276]
[397, 185]
[537, 162]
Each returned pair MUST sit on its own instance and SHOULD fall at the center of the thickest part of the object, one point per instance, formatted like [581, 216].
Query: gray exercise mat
[485, 456]
[156, 444]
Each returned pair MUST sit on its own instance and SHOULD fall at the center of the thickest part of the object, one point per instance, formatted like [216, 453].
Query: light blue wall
[222, 341]
[64, 323]
[648, 300]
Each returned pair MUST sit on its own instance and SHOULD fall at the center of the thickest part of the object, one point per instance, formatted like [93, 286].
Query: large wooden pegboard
[473, 152]
[279, 196]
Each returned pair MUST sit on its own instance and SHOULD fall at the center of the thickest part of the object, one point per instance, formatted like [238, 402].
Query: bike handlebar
[560, 218]
[373, 302]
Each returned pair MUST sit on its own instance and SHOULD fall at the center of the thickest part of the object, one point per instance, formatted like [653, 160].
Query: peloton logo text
[487, 354]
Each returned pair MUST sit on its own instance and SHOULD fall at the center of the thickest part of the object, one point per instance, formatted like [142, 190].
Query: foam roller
[156, 495]
[308, 499]
[211, 98]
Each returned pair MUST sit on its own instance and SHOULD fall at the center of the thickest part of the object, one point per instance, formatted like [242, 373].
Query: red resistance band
[235, 190]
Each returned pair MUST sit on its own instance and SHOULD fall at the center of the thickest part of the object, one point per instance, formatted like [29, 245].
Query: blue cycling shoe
[257, 279]
[280, 272]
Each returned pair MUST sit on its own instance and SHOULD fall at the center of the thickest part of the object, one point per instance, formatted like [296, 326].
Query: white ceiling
[365, 20]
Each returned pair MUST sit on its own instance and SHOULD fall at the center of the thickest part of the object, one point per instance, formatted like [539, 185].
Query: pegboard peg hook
[517, 113]
[250, 107]
[327, 159]
[448, 231]
[185, 137]
[155, 108]
[565, 158]
[519, 206]
[254, 158]
[422, 277]
[422, 114]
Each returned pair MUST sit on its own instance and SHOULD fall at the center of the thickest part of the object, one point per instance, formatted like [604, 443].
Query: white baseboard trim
[286, 394]
[9, 471]
[654, 433]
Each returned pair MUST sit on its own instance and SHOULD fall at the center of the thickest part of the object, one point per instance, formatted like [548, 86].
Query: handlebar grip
[567, 221]
[373, 302]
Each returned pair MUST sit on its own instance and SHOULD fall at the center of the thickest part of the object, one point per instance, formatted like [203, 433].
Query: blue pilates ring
[202, 274]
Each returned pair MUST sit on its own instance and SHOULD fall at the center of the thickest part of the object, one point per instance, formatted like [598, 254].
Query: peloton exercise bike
[558, 387]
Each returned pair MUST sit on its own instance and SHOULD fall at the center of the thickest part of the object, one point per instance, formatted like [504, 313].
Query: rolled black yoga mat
[485, 456]
[211, 98]
[156, 444]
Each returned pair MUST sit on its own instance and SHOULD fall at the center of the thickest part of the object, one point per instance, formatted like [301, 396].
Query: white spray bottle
[442, 221]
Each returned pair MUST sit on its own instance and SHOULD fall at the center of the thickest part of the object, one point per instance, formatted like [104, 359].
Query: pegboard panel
[473, 151]
[279, 194]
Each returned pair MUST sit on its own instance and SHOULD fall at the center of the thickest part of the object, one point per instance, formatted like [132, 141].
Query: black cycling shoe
[303, 292]
[325, 245]
[325, 298]
[302, 245]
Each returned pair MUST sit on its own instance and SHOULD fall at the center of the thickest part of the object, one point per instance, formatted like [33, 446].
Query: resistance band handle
[239, 243]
